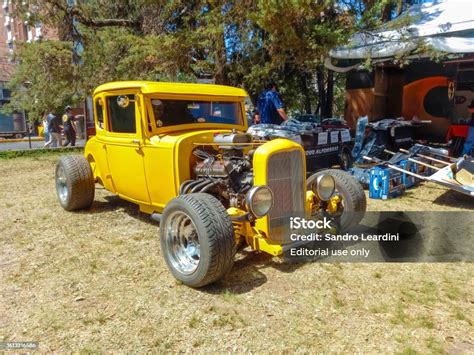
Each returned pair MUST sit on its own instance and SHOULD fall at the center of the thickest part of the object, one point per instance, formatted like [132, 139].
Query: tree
[240, 43]
[44, 78]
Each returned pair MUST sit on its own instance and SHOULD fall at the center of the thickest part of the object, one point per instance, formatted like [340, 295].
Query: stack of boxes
[387, 183]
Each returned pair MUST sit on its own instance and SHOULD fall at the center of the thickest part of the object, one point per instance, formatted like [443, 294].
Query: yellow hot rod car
[180, 152]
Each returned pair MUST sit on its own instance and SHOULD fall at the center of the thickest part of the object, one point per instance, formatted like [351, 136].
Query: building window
[38, 35]
[29, 33]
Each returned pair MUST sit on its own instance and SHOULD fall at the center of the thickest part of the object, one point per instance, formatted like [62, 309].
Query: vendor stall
[425, 89]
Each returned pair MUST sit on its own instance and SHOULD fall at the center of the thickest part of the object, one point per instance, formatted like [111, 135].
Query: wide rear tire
[352, 194]
[74, 183]
[197, 239]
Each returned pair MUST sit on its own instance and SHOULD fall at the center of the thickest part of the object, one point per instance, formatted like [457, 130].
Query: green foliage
[241, 43]
[45, 78]
[116, 54]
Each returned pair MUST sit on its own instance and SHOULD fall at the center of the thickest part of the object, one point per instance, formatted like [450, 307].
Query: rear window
[99, 112]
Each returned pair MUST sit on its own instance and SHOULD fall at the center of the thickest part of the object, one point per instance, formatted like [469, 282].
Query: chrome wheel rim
[61, 185]
[182, 242]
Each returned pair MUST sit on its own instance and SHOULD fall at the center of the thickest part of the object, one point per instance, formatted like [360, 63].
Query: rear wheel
[345, 158]
[354, 202]
[74, 183]
[197, 239]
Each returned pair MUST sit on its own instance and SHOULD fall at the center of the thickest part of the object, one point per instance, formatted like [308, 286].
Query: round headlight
[324, 187]
[259, 200]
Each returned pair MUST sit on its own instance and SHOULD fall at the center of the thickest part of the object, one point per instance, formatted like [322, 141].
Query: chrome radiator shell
[280, 164]
[285, 176]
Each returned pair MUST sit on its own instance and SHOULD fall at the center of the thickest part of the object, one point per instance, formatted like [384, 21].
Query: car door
[124, 147]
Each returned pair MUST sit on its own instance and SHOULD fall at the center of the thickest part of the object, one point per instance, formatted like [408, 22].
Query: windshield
[177, 112]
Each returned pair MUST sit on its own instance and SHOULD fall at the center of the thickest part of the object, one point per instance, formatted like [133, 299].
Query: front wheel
[353, 201]
[197, 239]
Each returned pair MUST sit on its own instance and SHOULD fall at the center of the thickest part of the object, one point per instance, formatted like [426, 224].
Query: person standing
[69, 129]
[54, 129]
[469, 142]
[255, 116]
[270, 106]
[45, 128]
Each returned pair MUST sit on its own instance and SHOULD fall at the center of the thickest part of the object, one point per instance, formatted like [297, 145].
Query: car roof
[151, 87]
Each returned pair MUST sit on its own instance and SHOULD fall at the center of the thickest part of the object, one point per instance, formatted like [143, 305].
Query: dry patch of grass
[95, 281]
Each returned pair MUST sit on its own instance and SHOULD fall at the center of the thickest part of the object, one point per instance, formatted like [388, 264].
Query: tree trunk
[305, 91]
[321, 90]
[221, 70]
[329, 95]
[387, 13]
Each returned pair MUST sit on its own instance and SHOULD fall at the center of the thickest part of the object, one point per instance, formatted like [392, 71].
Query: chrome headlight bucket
[324, 187]
[259, 200]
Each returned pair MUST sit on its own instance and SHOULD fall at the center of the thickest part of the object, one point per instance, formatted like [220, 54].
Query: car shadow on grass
[455, 199]
[246, 273]
[115, 203]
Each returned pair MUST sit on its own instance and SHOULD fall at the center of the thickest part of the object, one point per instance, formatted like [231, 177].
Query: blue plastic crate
[385, 183]
[409, 180]
[423, 170]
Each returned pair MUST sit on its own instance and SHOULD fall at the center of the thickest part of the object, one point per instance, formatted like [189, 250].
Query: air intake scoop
[231, 138]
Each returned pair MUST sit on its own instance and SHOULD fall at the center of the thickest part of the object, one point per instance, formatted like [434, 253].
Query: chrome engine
[225, 173]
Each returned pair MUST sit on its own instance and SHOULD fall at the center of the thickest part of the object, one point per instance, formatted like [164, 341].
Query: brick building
[14, 30]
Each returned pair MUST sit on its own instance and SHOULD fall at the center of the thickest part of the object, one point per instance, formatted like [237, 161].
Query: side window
[99, 112]
[121, 118]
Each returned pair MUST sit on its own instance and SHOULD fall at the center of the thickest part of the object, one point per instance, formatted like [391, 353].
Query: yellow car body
[148, 166]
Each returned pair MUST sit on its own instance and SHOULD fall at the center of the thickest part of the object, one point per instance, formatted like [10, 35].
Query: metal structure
[455, 174]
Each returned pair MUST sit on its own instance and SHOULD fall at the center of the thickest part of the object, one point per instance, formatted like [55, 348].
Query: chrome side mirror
[123, 101]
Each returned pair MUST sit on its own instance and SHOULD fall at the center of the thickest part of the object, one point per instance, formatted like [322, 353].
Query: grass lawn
[95, 281]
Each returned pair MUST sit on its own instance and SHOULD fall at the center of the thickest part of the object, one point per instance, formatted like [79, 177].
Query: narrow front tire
[354, 202]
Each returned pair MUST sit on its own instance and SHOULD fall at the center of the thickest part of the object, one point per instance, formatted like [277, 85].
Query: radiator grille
[285, 178]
